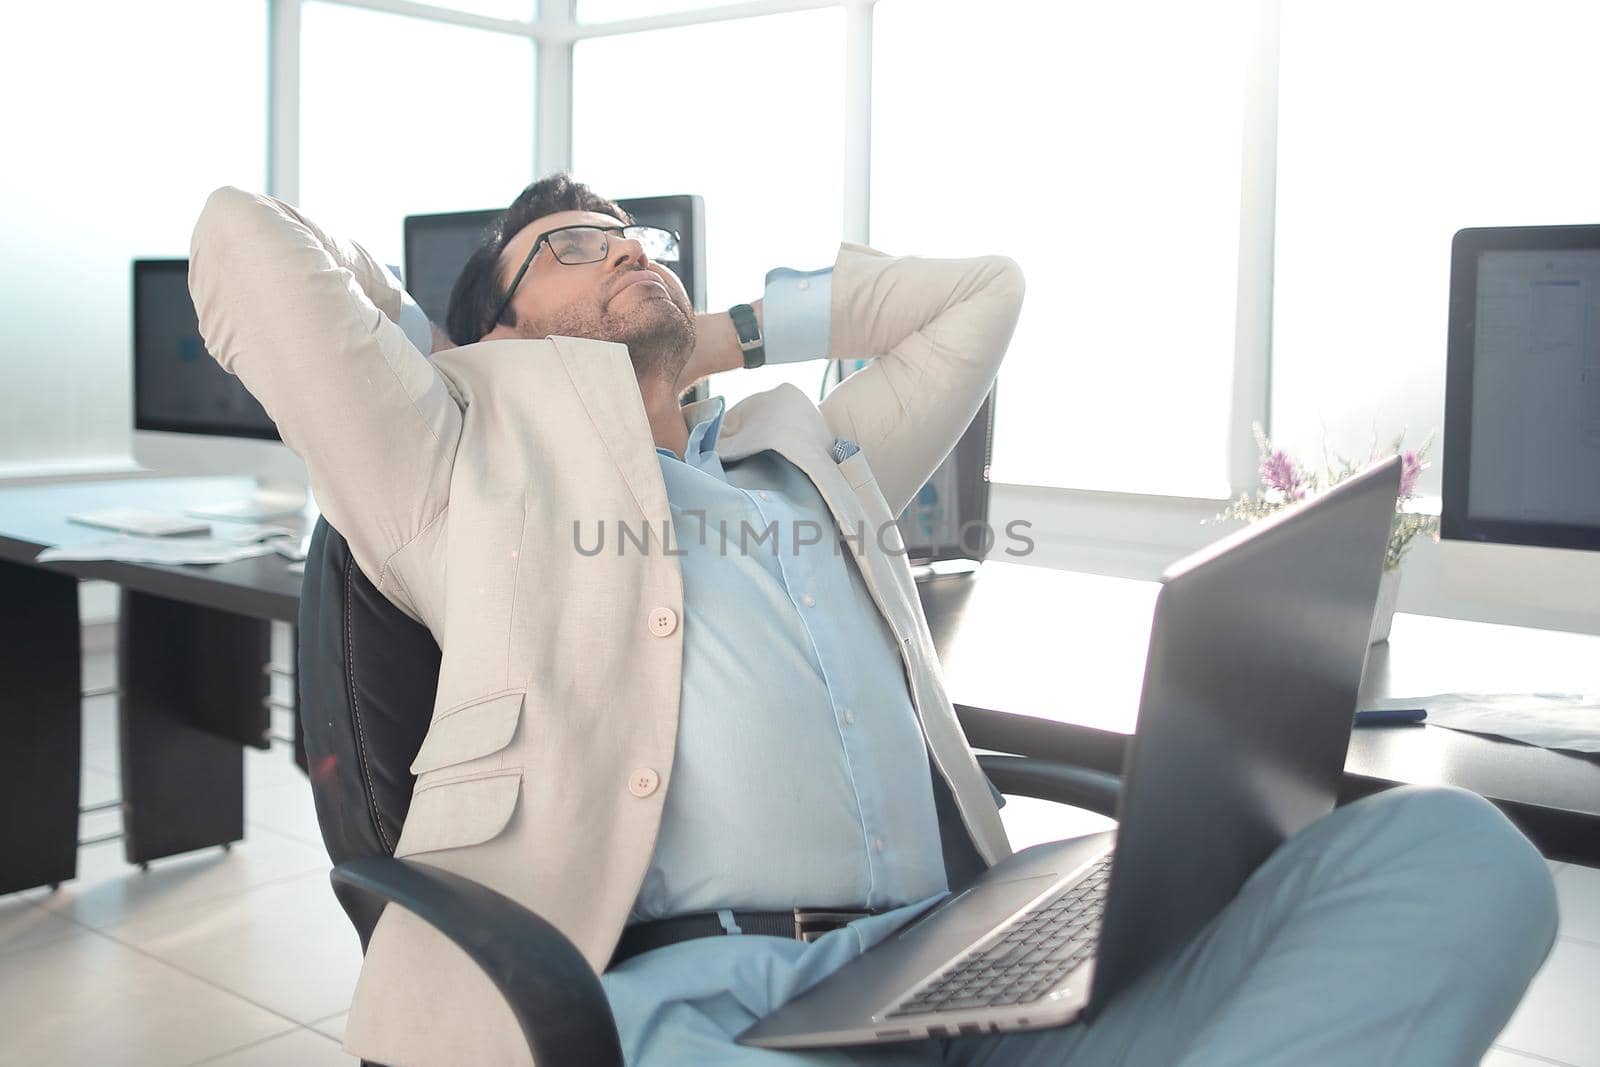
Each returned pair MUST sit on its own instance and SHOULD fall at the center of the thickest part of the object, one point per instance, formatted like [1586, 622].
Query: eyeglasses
[576, 245]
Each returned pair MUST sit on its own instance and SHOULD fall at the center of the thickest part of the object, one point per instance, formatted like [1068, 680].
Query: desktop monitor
[191, 417]
[1522, 414]
[436, 248]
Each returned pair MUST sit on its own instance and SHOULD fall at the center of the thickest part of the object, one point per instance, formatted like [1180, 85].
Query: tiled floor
[243, 958]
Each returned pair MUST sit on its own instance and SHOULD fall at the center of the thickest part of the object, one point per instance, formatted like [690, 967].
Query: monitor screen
[438, 246]
[177, 385]
[1522, 405]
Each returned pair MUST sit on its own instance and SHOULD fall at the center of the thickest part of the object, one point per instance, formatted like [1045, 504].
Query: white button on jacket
[643, 782]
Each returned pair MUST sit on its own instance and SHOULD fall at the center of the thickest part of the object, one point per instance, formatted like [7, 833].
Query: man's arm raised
[938, 329]
[935, 331]
[309, 324]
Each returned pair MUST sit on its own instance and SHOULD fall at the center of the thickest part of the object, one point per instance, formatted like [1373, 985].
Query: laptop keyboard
[1029, 959]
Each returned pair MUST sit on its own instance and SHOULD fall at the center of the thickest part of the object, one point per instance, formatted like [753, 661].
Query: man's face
[624, 297]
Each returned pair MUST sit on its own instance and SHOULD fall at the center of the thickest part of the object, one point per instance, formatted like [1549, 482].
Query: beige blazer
[457, 481]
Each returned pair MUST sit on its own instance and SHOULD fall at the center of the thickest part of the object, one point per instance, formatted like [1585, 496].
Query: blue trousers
[1400, 929]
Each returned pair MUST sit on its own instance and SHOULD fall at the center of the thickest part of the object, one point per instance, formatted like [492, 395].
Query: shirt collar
[704, 433]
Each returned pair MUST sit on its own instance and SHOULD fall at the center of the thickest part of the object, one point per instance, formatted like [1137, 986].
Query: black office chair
[367, 677]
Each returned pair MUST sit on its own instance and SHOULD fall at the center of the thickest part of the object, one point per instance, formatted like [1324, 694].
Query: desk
[1038, 661]
[1051, 663]
[181, 730]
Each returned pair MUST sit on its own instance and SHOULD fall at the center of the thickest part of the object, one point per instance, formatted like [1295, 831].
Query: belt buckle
[810, 924]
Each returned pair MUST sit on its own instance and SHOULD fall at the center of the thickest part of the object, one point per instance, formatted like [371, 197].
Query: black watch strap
[751, 342]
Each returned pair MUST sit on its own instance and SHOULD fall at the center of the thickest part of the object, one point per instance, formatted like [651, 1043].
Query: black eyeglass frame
[544, 238]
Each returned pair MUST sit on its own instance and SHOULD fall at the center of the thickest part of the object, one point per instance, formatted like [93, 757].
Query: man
[662, 745]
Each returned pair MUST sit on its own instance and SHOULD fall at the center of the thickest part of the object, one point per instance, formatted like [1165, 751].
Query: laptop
[1256, 654]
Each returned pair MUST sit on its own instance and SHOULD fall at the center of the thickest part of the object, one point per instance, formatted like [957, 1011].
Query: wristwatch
[750, 340]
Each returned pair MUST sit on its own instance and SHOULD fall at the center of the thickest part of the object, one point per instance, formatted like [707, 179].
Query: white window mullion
[283, 100]
[700, 16]
[553, 101]
[858, 121]
[1252, 363]
[447, 16]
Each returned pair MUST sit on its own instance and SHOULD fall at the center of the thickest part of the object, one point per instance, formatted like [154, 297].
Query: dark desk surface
[33, 517]
[1051, 663]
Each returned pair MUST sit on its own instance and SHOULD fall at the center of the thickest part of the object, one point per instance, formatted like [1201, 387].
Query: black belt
[802, 924]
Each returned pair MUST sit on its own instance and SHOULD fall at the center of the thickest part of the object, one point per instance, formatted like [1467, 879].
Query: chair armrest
[1063, 783]
[555, 996]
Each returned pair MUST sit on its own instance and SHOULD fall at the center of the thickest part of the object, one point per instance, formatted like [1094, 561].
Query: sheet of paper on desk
[247, 534]
[1568, 721]
[129, 548]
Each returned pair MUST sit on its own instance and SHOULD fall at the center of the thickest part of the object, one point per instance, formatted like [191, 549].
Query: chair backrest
[367, 675]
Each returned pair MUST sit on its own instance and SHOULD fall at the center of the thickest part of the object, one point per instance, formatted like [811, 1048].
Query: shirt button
[643, 782]
[805, 283]
[877, 844]
[663, 621]
[809, 601]
[849, 717]
[763, 495]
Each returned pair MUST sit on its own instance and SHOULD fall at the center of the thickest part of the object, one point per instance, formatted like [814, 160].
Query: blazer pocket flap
[467, 732]
[855, 470]
[455, 814]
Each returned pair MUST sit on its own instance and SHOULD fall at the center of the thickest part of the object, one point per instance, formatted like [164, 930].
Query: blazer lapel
[603, 376]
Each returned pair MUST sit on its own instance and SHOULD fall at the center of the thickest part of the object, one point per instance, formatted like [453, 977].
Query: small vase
[1383, 617]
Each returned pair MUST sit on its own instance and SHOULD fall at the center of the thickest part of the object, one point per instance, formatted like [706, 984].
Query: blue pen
[1391, 716]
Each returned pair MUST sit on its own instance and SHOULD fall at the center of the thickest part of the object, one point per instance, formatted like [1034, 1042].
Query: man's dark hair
[479, 288]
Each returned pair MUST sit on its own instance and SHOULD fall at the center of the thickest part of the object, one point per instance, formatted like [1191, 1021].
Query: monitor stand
[272, 499]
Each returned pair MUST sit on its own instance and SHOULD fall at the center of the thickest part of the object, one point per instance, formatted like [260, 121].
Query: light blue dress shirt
[801, 776]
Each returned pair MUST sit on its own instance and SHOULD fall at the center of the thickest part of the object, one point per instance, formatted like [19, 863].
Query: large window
[745, 113]
[400, 115]
[1398, 125]
[117, 124]
[1102, 146]
[521, 10]
[1099, 146]
[611, 10]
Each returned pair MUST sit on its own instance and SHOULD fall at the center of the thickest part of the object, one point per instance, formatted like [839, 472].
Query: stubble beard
[660, 333]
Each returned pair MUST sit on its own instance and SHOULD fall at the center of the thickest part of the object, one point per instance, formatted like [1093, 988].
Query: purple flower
[1411, 466]
[1278, 472]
